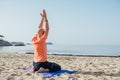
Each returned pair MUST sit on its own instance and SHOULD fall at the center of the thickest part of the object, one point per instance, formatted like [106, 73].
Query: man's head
[41, 32]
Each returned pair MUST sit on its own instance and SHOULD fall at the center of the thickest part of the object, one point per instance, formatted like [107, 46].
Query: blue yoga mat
[51, 74]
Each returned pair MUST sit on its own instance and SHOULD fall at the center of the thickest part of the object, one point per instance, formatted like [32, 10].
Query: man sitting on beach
[40, 63]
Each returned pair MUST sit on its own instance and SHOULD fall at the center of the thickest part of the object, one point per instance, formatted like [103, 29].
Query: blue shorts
[53, 67]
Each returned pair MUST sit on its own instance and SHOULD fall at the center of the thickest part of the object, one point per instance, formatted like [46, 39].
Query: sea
[100, 50]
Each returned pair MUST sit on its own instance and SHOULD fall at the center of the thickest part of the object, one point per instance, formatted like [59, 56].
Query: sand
[88, 68]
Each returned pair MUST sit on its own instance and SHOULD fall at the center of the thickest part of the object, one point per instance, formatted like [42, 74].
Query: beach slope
[88, 67]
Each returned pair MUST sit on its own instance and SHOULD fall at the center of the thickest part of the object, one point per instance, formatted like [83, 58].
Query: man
[40, 63]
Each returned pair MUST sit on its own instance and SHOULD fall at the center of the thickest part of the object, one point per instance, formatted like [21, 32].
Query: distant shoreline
[85, 55]
[64, 54]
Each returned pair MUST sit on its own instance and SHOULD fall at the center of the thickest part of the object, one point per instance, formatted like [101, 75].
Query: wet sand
[88, 67]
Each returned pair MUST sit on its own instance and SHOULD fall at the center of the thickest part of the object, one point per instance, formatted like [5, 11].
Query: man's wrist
[46, 20]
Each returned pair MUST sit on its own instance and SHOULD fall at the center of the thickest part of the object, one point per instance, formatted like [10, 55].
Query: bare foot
[42, 70]
[33, 70]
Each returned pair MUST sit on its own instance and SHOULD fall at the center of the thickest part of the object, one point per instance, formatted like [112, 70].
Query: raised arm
[42, 21]
[47, 27]
[46, 23]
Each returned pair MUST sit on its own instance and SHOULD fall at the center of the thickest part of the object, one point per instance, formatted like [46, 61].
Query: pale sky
[71, 21]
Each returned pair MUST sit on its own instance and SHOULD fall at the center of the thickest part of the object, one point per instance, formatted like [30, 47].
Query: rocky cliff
[5, 43]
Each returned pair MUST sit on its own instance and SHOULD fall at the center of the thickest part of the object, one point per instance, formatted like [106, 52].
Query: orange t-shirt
[40, 49]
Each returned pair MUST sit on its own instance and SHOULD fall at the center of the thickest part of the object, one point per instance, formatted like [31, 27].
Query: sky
[75, 22]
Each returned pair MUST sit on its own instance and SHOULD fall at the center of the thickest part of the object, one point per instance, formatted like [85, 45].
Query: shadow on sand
[99, 74]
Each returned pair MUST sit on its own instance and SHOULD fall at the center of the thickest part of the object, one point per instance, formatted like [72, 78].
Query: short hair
[41, 29]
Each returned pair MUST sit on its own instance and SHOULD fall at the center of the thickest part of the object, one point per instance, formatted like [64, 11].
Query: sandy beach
[88, 68]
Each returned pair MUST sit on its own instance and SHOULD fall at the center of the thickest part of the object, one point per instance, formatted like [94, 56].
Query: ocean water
[106, 50]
